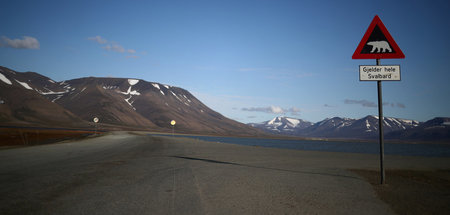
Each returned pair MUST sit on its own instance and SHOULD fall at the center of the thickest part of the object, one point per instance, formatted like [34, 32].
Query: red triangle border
[377, 21]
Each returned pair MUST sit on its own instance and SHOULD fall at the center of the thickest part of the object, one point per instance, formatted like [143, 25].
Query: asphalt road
[123, 173]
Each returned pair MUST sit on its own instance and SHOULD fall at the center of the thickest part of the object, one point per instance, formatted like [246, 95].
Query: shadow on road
[262, 167]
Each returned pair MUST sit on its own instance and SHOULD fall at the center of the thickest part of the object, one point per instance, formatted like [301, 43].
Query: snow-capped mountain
[32, 99]
[366, 127]
[328, 127]
[282, 125]
[437, 129]
[336, 127]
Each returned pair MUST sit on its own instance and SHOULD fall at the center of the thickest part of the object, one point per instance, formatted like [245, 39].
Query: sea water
[407, 149]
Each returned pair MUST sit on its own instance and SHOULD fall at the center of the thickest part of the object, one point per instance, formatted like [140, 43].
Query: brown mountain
[117, 102]
[20, 104]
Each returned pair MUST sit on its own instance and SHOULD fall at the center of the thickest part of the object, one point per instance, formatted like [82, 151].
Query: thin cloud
[274, 110]
[258, 109]
[366, 103]
[294, 111]
[400, 105]
[329, 106]
[363, 102]
[98, 39]
[113, 46]
[26, 42]
[394, 105]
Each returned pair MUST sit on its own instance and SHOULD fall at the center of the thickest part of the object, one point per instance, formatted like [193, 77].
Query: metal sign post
[377, 43]
[380, 125]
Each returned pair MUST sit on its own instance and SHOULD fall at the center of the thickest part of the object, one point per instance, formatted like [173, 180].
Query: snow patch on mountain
[156, 86]
[50, 92]
[273, 121]
[396, 122]
[130, 103]
[133, 81]
[24, 85]
[176, 96]
[106, 87]
[4, 79]
[293, 122]
[130, 92]
[57, 97]
[186, 98]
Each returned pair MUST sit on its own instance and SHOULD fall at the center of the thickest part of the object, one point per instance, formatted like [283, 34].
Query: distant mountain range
[437, 129]
[31, 99]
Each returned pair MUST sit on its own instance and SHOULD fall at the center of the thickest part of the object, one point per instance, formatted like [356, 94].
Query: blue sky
[249, 60]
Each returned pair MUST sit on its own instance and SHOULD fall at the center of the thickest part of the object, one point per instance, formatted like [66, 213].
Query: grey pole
[380, 124]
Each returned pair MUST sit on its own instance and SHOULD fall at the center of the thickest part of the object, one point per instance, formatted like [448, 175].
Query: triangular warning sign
[377, 43]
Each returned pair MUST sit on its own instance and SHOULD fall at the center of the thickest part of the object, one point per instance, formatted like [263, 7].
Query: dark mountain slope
[117, 102]
[22, 105]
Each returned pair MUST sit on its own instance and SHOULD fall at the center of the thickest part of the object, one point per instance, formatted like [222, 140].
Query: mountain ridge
[364, 128]
[117, 102]
[31, 99]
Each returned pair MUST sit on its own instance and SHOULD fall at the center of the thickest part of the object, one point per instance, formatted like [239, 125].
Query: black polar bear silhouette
[379, 46]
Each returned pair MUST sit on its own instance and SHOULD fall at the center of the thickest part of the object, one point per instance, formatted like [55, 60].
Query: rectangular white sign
[379, 73]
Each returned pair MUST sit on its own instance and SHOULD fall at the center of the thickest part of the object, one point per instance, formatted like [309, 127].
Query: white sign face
[379, 73]
[95, 119]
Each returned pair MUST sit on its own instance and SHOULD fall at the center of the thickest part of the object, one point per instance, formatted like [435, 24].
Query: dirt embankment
[34, 136]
